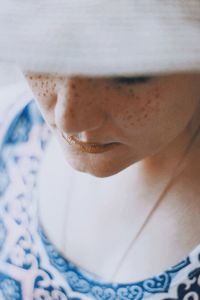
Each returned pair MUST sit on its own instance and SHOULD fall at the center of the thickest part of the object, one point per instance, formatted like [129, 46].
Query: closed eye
[131, 80]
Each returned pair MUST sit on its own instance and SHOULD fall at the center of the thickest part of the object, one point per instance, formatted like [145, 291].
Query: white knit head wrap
[101, 37]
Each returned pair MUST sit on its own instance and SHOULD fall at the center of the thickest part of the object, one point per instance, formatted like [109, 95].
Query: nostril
[67, 136]
[79, 136]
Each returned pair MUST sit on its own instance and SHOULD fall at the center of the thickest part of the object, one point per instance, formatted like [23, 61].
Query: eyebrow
[131, 79]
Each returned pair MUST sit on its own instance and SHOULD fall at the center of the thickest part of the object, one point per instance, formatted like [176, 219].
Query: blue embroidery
[4, 178]
[20, 210]
[3, 233]
[84, 284]
[191, 289]
[10, 289]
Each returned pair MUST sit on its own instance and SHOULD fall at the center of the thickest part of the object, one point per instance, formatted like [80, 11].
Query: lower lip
[91, 148]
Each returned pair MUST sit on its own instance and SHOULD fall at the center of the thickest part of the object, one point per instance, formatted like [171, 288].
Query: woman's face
[138, 117]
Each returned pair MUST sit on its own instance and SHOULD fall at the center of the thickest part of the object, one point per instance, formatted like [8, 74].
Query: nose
[78, 106]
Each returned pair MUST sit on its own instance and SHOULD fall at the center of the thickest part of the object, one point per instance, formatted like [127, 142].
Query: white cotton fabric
[101, 37]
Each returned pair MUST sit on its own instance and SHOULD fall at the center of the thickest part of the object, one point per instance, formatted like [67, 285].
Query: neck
[123, 201]
[184, 148]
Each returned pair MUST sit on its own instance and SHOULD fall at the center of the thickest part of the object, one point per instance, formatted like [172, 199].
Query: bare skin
[154, 122]
[105, 111]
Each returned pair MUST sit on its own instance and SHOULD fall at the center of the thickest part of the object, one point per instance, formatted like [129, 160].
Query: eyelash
[131, 80]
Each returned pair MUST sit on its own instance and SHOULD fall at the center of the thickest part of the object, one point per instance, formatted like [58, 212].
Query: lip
[89, 147]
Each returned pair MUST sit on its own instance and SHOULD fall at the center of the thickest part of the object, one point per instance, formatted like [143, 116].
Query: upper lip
[87, 142]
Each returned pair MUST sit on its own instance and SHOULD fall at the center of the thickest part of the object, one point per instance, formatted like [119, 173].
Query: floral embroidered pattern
[9, 288]
[189, 289]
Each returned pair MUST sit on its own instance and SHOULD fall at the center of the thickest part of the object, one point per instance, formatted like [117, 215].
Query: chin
[96, 169]
[97, 172]
[101, 165]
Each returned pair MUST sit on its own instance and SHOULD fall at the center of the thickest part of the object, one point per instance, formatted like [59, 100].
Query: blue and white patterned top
[30, 265]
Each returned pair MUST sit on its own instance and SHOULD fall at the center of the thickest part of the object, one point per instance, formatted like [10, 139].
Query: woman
[127, 213]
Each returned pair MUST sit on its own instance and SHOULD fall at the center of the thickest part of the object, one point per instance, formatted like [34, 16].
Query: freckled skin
[145, 118]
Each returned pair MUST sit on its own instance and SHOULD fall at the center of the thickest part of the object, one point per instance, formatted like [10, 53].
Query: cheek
[140, 110]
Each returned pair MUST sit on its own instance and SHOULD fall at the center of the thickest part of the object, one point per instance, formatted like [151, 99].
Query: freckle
[72, 113]
[138, 119]
[73, 86]
[129, 117]
[44, 95]
[157, 95]
[145, 116]
[149, 101]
